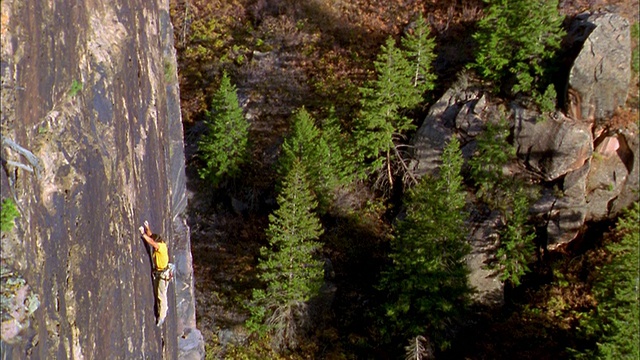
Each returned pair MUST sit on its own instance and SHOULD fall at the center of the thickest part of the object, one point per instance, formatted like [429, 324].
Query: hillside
[282, 55]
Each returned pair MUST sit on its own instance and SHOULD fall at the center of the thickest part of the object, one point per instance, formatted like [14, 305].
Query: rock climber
[163, 270]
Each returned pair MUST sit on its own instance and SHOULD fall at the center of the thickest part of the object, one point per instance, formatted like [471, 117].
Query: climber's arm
[148, 238]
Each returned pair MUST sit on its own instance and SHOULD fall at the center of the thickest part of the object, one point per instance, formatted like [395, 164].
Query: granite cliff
[92, 145]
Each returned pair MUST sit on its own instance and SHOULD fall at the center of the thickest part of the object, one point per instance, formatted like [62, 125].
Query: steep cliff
[92, 145]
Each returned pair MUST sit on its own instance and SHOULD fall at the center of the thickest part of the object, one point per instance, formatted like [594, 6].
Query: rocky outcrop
[92, 146]
[459, 107]
[592, 159]
[598, 176]
[607, 175]
[551, 146]
[601, 73]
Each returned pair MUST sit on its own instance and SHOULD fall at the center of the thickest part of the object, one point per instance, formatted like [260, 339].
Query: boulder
[441, 121]
[614, 170]
[629, 154]
[469, 119]
[600, 189]
[568, 215]
[601, 73]
[551, 146]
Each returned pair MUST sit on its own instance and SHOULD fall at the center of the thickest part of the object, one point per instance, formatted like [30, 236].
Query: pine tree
[402, 77]
[382, 100]
[427, 284]
[507, 195]
[515, 38]
[307, 144]
[418, 49]
[224, 148]
[618, 293]
[341, 156]
[516, 240]
[493, 152]
[288, 265]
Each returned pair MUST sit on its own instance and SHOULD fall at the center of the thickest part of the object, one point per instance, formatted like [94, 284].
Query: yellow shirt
[161, 256]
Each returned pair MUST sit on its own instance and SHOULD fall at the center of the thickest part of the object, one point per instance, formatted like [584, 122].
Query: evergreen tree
[507, 195]
[418, 48]
[288, 265]
[307, 144]
[514, 40]
[516, 240]
[402, 77]
[382, 101]
[618, 294]
[427, 284]
[341, 159]
[493, 152]
[224, 148]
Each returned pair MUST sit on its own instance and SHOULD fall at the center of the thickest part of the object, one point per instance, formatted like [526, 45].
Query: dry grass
[622, 118]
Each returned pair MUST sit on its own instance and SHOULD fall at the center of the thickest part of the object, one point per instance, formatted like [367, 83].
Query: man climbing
[163, 270]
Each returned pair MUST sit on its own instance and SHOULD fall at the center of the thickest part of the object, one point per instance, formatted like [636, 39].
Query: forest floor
[325, 49]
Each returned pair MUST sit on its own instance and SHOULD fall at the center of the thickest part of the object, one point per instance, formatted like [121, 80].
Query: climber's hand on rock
[141, 230]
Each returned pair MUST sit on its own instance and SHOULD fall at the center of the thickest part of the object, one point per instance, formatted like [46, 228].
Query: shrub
[8, 215]
[76, 87]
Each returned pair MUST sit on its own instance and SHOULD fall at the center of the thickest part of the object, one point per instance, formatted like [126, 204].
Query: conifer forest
[341, 183]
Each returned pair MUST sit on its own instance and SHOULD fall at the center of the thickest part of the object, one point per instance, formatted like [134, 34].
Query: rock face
[484, 241]
[459, 107]
[92, 146]
[551, 147]
[601, 73]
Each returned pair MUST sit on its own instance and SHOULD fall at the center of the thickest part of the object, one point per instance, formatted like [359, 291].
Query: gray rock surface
[570, 211]
[488, 288]
[607, 176]
[551, 147]
[602, 71]
[629, 154]
[441, 121]
[96, 105]
[605, 185]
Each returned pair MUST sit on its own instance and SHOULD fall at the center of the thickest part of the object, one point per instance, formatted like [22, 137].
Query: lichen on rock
[18, 303]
